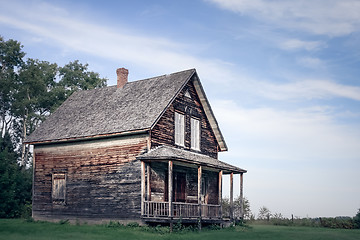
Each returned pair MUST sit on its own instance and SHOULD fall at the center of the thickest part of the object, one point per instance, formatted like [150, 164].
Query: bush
[26, 213]
[357, 220]
[338, 222]
[133, 224]
[112, 224]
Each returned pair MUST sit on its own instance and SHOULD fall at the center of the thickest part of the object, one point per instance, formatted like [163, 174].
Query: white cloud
[307, 89]
[308, 134]
[328, 17]
[296, 44]
[311, 62]
[56, 26]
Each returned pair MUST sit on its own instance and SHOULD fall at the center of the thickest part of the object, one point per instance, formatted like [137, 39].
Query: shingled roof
[111, 110]
[165, 152]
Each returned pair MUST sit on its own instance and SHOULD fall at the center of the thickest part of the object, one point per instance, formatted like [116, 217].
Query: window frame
[58, 188]
[195, 133]
[179, 129]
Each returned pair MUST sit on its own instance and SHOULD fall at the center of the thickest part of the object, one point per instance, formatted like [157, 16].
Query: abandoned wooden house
[144, 151]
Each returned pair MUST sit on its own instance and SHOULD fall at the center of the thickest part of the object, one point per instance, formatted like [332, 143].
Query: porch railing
[210, 211]
[185, 210]
[156, 209]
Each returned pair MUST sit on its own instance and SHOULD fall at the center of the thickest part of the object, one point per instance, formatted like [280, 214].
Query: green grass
[19, 229]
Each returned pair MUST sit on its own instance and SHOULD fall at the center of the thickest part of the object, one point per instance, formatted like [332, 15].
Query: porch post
[231, 197]
[148, 190]
[142, 187]
[170, 183]
[241, 197]
[199, 194]
[220, 193]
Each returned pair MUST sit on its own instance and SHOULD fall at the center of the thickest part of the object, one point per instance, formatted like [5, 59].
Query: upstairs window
[195, 134]
[58, 187]
[179, 129]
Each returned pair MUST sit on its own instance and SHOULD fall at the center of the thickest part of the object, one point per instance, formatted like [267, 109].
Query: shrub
[357, 220]
[133, 224]
[338, 222]
[112, 224]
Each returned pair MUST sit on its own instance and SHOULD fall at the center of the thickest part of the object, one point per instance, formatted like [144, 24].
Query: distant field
[20, 229]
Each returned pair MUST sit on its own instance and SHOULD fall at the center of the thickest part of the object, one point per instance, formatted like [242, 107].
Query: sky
[282, 78]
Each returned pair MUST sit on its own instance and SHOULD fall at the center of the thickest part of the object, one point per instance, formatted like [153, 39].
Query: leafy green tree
[357, 219]
[34, 99]
[11, 58]
[247, 211]
[237, 207]
[76, 76]
[15, 183]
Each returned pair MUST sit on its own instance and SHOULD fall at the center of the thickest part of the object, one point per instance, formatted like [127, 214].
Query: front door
[179, 186]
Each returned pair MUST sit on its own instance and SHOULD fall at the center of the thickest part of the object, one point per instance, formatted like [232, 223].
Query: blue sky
[282, 78]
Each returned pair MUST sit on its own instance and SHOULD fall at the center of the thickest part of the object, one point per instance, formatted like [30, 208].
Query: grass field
[11, 229]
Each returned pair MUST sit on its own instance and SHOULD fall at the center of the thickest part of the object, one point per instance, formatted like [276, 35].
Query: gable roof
[111, 110]
[165, 152]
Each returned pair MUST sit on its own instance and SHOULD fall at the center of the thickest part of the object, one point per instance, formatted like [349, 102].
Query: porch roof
[165, 152]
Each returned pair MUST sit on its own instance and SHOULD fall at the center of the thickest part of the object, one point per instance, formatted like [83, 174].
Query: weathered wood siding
[158, 181]
[164, 131]
[102, 179]
[213, 186]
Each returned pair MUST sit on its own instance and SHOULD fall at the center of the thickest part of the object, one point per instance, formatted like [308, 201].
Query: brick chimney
[122, 77]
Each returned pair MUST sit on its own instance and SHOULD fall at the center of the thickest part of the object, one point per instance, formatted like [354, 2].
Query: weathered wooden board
[103, 178]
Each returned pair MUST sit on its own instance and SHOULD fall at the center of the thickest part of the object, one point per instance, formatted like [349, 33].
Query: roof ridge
[163, 75]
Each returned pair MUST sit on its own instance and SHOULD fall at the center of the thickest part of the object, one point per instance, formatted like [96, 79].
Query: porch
[178, 184]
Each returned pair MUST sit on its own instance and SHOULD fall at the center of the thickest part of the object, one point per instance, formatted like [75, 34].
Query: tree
[15, 183]
[34, 100]
[264, 213]
[225, 203]
[75, 76]
[357, 219]
[247, 211]
[11, 58]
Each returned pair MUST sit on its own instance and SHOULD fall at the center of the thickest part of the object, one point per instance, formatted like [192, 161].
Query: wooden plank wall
[158, 181]
[213, 187]
[163, 131]
[102, 179]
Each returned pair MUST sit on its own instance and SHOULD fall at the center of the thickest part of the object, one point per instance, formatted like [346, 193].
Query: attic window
[58, 187]
[187, 94]
[179, 129]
